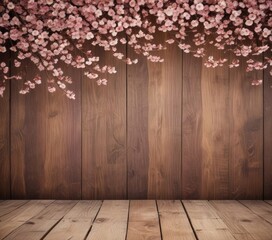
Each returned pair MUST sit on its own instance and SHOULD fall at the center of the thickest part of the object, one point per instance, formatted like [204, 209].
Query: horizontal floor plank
[111, 221]
[206, 222]
[13, 220]
[174, 222]
[260, 208]
[10, 205]
[76, 223]
[242, 222]
[143, 220]
[39, 225]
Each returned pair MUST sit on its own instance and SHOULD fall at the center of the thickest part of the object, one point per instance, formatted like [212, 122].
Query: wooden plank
[215, 130]
[37, 227]
[10, 205]
[241, 221]
[205, 129]
[159, 123]
[104, 134]
[143, 220]
[62, 166]
[269, 202]
[267, 98]
[137, 127]
[14, 219]
[246, 135]
[49, 122]
[260, 208]
[174, 222]
[5, 139]
[5, 144]
[111, 222]
[206, 222]
[76, 223]
[191, 128]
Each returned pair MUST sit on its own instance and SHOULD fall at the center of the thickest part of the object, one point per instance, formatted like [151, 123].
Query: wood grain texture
[143, 220]
[77, 222]
[242, 222]
[161, 125]
[246, 135]
[267, 133]
[215, 131]
[39, 225]
[46, 146]
[206, 222]
[137, 128]
[5, 142]
[260, 208]
[205, 130]
[174, 222]
[111, 221]
[10, 222]
[10, 205]
[191, 128]
[104, 134]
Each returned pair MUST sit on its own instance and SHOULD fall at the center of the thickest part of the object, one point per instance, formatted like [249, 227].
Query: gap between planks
[135, 220]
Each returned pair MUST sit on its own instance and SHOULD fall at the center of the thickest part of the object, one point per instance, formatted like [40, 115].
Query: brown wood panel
[267, 133]
[5, 143]
[154, 127]
[205, 143]
[246, 135]
[215, 130]
[191, 128]
[104, 134]
[137, 128]
[46, 146]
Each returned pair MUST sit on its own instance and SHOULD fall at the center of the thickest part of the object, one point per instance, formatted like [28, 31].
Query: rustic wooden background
[166, 131]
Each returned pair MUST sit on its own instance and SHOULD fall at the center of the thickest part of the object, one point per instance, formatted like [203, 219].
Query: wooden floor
[135, 220]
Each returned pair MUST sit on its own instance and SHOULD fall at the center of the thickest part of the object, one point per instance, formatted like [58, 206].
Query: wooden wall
[166, 131]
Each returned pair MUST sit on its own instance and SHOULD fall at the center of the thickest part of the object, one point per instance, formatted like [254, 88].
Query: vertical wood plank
[46, 149]
[191, 128]
[137, 127]
[215, 130]
[143, 220]
[111, 221]
[174, 222]
[104, 134]
[246, 135]
[28, 137]
[62, 166]
[5, 143]
[267, 98]
[205, 129]
[159, 125]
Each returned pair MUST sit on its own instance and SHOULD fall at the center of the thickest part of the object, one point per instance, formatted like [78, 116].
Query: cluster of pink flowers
[51, 34]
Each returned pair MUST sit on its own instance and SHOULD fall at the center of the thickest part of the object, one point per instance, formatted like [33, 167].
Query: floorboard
[206, 223]
[242, 222]
[76, 223]
[135, 220]
[143, 220]
[111, 221]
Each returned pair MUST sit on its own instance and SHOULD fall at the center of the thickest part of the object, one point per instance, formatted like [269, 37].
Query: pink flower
[199, 7]
[10, 5]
